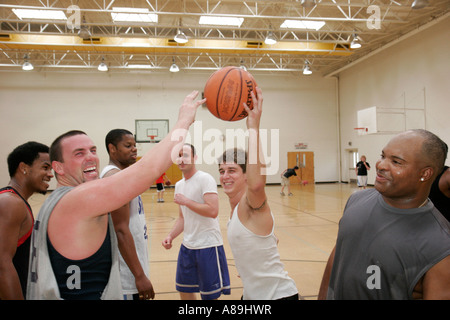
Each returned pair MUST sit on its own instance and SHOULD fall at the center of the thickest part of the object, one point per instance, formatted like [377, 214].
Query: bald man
[392, 242]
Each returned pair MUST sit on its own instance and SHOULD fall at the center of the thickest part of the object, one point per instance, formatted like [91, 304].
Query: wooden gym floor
[306, 225]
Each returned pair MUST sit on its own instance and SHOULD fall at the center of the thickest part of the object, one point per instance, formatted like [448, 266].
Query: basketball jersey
[382, 251]
[258, 263]
[199, 231]
[138, 229]
[22, 255]
[94, 270]
[42, 283]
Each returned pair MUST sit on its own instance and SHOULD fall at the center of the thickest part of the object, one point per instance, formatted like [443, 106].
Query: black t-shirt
[362, 170]
[289, 173]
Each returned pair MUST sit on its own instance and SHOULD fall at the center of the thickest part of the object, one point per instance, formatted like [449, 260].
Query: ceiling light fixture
[102, 66]
[419, 4]
[308, 3]
[174, 67]
[84, 32]
[221, 21]
[123, 14]
[307, 69]
[39, 14]
[180, 37]
[242, 66]
[27, 66]
[270, 39]
[355, 44]
[302, 24]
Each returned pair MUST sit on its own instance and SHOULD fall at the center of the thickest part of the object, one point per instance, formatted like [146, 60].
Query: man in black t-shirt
[361, 172]
[285, 179]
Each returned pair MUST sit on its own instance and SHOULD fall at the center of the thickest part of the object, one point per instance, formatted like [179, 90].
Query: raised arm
[256, 180]
[102, 196]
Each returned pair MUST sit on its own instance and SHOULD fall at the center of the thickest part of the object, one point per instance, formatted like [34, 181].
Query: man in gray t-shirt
[392, 242]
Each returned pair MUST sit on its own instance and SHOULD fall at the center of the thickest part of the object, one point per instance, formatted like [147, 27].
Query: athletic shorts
[159, 187]
[362, 181]
[285, 181]
[204, 271]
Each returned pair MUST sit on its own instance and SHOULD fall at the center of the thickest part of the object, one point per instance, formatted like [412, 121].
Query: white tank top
[138, 229]
[258, 263]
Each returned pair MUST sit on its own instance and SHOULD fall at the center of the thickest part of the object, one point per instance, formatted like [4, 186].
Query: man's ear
[112, 148]
[426, 173]
[23, 168]
[57, 167]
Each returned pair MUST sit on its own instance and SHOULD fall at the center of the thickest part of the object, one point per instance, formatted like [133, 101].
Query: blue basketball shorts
[203, 270]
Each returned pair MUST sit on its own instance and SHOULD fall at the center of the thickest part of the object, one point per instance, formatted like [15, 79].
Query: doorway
[305, 162]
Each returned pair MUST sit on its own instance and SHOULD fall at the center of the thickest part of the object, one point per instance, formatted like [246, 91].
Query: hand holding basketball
[227, 90]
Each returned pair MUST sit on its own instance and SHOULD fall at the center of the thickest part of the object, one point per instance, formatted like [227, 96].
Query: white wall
[40, 106]
[403, 74]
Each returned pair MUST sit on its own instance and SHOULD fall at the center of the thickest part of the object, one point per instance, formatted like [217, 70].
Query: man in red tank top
[30, 171]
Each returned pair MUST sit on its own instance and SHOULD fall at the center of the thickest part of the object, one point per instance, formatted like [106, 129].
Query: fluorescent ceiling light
[302, 24]
[222, 21]
[39, 14]
[139, 66]
[133, 15]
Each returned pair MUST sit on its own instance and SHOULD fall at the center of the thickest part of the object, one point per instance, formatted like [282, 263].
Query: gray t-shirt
[381, 251]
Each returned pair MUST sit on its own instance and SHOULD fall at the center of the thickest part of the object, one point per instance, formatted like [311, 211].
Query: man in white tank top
[129, 222]
[251, 226]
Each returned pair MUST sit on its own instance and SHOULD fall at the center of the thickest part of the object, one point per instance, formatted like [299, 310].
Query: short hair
[115, 136]
[235, 155]
[55, 148]
[433, 148]
[192, 148]
[26, 153]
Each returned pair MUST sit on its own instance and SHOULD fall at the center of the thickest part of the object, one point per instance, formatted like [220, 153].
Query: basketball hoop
[151, 138]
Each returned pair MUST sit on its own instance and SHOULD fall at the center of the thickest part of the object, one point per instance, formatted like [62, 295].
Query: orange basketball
[225, 92]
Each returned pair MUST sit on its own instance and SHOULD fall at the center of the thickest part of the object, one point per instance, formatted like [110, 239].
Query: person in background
[129, 222]
[30, 172]
[160, 186]
[285, 175]
[202, 264]
[361, 172]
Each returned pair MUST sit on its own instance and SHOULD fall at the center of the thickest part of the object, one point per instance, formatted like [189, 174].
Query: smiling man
[392, 242]
[75, 251]
[129, 221]
[30, 171]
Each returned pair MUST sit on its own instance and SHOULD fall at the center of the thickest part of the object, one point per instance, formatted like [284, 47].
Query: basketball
[225, 92]
[168, 183]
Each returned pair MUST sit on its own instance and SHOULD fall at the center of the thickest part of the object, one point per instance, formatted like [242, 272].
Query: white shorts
[362, 181]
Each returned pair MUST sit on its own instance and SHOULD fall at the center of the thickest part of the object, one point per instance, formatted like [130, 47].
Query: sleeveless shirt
[22, 255]
[440, 201]
[93, 271]
[258, 263]
[382, 251]
[42, 283]
[138, 229]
